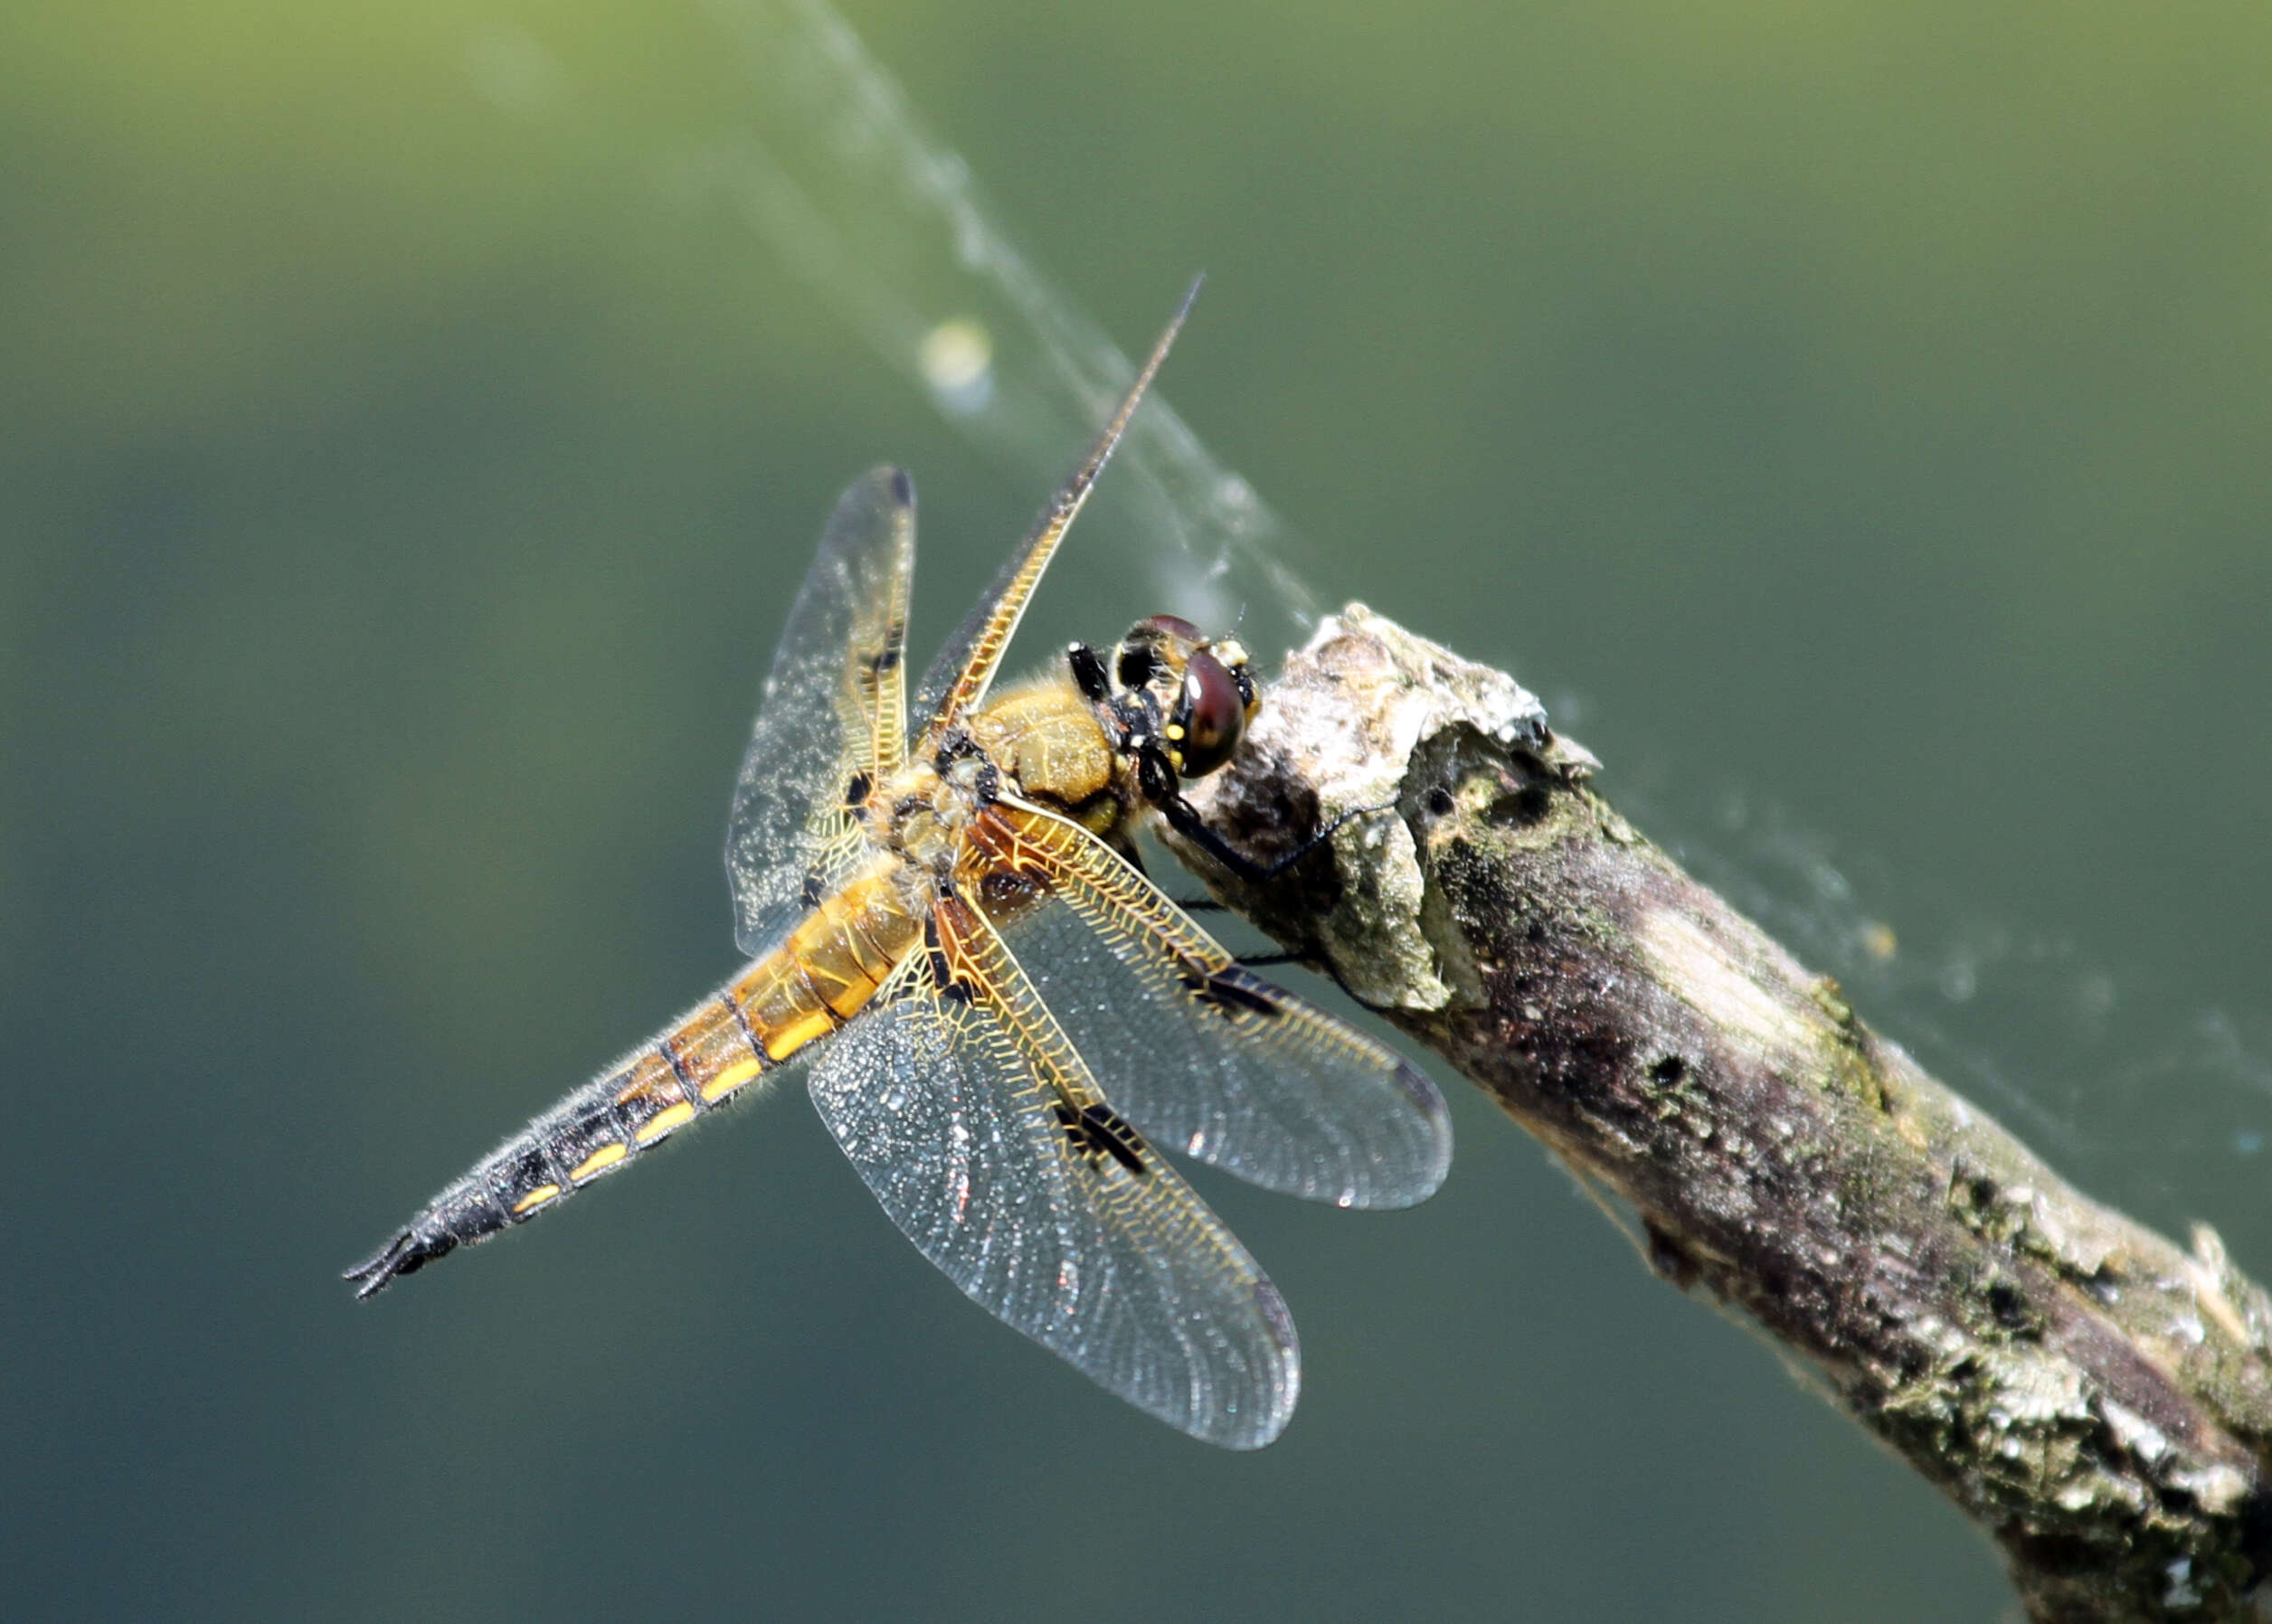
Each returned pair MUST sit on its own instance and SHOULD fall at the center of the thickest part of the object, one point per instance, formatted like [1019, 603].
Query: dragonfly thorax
[1049, 744]
[1039, 741]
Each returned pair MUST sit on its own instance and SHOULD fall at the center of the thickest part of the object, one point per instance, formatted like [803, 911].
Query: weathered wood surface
[2098, 1397]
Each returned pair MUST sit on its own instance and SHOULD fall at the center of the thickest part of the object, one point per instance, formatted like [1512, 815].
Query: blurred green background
[1859, 411]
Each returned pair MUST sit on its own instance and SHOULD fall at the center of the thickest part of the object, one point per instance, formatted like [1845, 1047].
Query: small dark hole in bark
[2006, 1304]
[2256, 1522]
[1440, 802]
[1670, 1069]
[1518, 807]
[1669, 1258]
[2058, 1554]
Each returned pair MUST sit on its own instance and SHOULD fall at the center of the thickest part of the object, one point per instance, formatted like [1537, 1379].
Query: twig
[2098, 1398]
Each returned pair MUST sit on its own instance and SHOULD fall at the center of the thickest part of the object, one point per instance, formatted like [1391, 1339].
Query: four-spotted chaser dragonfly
[1002, 1012]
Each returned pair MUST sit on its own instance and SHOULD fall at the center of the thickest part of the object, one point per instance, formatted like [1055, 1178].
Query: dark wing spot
[855, 788]
[1098, 1132]
[886, 661]
[1228, 992]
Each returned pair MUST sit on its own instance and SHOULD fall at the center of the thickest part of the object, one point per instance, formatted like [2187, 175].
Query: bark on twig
[2098, 1397]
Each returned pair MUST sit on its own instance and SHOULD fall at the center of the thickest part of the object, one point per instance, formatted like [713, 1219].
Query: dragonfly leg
[1158, 781]
[1088, 673]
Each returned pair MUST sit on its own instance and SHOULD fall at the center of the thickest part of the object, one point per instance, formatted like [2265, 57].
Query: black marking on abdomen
[545, 1152]
[828, 1010]
[526, 1167]
[584, 1133]
[749, 1032]
[686, 1090]
[1099, 1130]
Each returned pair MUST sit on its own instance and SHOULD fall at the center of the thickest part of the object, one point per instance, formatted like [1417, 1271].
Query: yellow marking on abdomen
[536, 1198]
[676, 1115]
[795, 1034]
[650, 1077]
[829, 967]
[606, 1156]
[729, 1080]
[711, 1042]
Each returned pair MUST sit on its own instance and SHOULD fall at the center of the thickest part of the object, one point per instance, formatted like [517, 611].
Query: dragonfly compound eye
[1209, 717]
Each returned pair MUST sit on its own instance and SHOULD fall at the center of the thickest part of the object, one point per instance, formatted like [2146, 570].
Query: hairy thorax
[1046, 738]
[1039, 741]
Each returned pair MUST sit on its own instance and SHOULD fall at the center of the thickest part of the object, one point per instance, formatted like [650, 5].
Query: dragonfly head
[1194, 693]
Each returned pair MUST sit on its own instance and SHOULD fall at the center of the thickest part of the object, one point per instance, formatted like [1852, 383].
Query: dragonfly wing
[958, 1121]
[1204, 1055]
[964, 668]
[834, 717]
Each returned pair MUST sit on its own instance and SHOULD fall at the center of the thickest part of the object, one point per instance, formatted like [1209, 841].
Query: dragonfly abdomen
[604, 1125]
[827, 969]
[818, 978]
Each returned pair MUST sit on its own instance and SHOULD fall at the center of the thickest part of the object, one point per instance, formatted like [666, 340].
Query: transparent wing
[995, 1153]
[834, 716]
[963, 669]
[1205, 1057]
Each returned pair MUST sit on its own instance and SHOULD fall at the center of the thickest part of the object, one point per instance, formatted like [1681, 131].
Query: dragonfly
[948, 919]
